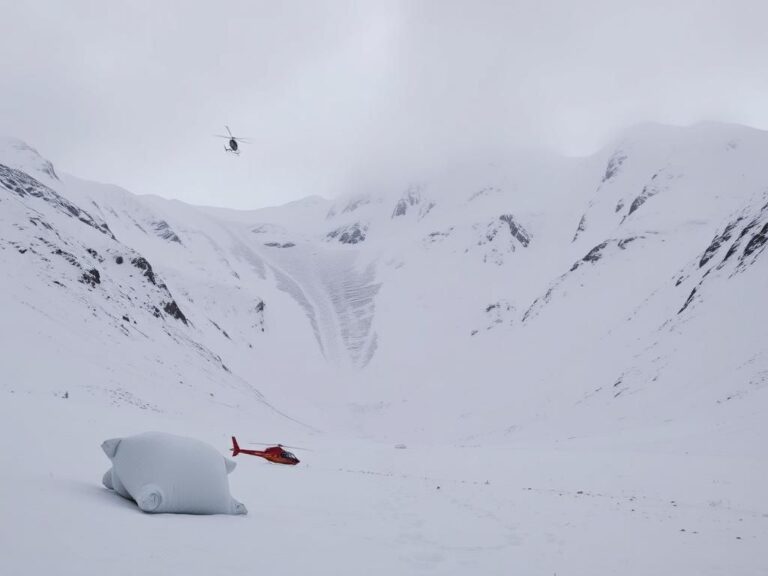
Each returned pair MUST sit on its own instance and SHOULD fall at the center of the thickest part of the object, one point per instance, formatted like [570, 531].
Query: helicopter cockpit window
[288, 455]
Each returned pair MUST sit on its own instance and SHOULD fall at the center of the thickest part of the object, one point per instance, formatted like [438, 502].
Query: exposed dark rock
[350, 234]
[35, 221]
[411, 197]
[278, 245]
[624, 241]
[614, 164]
[517, 231]
[259, 311]
[639, 201]
[757, 241]
[688, 301]
[24, 185]
[91, 277]
[69, 257]
[172, 309]
[592, 256]
[717, 242]
[354, 204]
[141, 263]
[400, 208]
[498, 313]
[649, 191]
[220, 329]
[484, 192]
[539, 303]
[119, 260]
[731, 251]
[737, 243]
[433, 237]
[490, 234]
[580, 228]
[163, 229]
[597, 252]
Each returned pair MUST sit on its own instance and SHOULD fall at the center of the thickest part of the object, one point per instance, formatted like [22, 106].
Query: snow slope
[573, 351]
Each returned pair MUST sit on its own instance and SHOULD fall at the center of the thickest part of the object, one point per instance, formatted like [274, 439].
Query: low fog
[337, 96]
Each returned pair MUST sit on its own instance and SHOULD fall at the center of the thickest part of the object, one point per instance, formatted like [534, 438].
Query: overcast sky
[338, 94]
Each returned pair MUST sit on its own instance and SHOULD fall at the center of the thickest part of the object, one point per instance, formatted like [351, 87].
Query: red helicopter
[274, 454]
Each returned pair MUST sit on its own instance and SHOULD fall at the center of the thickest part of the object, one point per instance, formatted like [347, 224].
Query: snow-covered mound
[165, 473]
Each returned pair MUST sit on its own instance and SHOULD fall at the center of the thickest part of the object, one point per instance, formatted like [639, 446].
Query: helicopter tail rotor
[235, 447]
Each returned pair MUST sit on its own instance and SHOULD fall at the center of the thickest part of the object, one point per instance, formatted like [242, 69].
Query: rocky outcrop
[23, 185]
[500, 237]
[596, 253]
[411, 198]
[173, 310]
[614, 165]
[142, 264]
[349, 234]
[164, 231]
[91, 277]
[518, 232]
[726, 253]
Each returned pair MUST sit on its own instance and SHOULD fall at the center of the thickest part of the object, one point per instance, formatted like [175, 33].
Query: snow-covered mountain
[618, 298]
[528, 270]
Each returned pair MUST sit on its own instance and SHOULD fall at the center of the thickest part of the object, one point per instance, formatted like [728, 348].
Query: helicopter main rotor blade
[236, 138]
[228, 131]
[281, 445]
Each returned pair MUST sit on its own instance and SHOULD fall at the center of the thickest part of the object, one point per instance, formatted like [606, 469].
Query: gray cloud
[337, 95]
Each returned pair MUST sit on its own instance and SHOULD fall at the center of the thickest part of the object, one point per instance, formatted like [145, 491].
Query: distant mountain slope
[593, 293]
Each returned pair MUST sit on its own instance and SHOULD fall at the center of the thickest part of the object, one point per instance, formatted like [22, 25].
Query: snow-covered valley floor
[581, 507]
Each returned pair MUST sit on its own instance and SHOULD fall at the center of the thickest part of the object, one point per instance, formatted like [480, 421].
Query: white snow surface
[572, 350]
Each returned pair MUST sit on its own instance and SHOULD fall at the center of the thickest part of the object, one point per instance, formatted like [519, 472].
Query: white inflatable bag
[165, 473]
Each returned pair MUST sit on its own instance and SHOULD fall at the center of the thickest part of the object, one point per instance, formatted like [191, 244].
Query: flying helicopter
[276, 454]
[234, 141]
